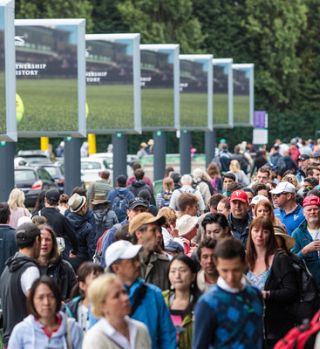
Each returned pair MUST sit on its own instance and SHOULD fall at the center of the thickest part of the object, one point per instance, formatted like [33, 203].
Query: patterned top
[229, 320]
[258, 280]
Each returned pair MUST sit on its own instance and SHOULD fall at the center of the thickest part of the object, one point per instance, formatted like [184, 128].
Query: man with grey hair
[186, 182]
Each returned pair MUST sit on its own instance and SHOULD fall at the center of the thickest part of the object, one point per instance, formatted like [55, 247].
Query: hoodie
[29, 334]
[11, 293]
[137, 186]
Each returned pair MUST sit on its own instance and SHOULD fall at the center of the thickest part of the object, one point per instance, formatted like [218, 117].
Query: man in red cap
[239, 218]
[307, 236]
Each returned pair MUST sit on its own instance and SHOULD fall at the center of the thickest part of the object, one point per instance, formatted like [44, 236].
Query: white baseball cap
[121, 249]
[257, 199]
[283, 187]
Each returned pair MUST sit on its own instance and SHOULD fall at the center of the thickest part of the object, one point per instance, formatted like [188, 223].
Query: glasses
[277, 195]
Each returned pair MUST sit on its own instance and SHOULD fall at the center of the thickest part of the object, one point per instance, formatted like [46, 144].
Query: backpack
[120, 205]
[101, 222]
[98, 252]
[165, 198]
[99, 244]
[309, 295]
[301, 337]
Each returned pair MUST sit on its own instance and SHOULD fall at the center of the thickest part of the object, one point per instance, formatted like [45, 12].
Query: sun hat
[99, 198]
[288, 240]
[76, 202]
[186, 223]
[145, 218]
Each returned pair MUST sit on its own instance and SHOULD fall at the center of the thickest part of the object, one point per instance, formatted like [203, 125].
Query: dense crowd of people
[227, 257]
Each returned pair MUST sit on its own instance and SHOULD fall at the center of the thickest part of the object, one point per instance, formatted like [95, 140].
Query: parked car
[90, 168]
[56, 171]
[33, 157]
[32, 180]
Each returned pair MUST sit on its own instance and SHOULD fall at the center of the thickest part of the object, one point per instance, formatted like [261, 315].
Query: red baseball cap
[311, 200]
[239, 195]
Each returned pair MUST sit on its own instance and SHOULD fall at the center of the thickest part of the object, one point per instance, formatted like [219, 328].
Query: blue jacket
[312, 259]
[86, 237]
[28, 334]
[8, 245]
[154, 313]
[292, 220]
[71, 309]
[114, 193]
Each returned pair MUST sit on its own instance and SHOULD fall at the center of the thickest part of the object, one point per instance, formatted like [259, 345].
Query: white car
[108, 157]
[90, 168]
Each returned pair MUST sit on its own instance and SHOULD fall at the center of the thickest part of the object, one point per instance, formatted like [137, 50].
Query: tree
[107, 17]
[163, 21]
[274, 29]
[55, 9]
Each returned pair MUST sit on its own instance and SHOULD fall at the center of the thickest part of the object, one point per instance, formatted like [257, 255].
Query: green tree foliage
[55, 9]
[163, 21]
[274, 29]
[309, 53]
[107, 17]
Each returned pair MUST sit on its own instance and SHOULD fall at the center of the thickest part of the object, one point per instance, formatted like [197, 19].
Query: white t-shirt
[315, 234]
[28, 277]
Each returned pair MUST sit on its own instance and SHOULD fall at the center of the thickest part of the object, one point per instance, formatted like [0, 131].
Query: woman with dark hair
[271, 270]
[39, 203]
[46, 326]
[213, 171]
[182, 297]
[51, 263]
[79, 307]
[215, 226]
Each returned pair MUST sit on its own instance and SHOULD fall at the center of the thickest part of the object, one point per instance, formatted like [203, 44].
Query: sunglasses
[277, 195]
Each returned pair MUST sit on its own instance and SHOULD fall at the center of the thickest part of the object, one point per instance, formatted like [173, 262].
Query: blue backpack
[120, 205]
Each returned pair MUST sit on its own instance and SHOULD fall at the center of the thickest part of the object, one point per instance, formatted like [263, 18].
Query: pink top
[16, 213]
[147, 180]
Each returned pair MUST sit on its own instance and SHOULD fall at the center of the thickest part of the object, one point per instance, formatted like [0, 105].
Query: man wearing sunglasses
[286, 208]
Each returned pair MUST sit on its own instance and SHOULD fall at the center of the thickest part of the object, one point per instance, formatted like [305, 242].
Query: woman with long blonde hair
[17, 208]
[241, 177]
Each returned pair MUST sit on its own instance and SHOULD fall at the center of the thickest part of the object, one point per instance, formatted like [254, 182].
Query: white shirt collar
[120, 338]
[221, 283]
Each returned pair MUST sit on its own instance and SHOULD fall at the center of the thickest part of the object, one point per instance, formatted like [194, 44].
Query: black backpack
[309, 294]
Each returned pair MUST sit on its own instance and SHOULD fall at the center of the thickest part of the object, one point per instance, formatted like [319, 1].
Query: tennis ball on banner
[19, 108]
[87, 110]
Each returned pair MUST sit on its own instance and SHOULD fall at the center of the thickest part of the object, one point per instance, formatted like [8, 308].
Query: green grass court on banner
[241, 109]
[51, 105]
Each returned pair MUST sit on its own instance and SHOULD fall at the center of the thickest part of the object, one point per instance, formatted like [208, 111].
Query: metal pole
[210, 144]
[72, 163]
[120, 149]
[7, 153]
[185, 152]
[159, 154]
